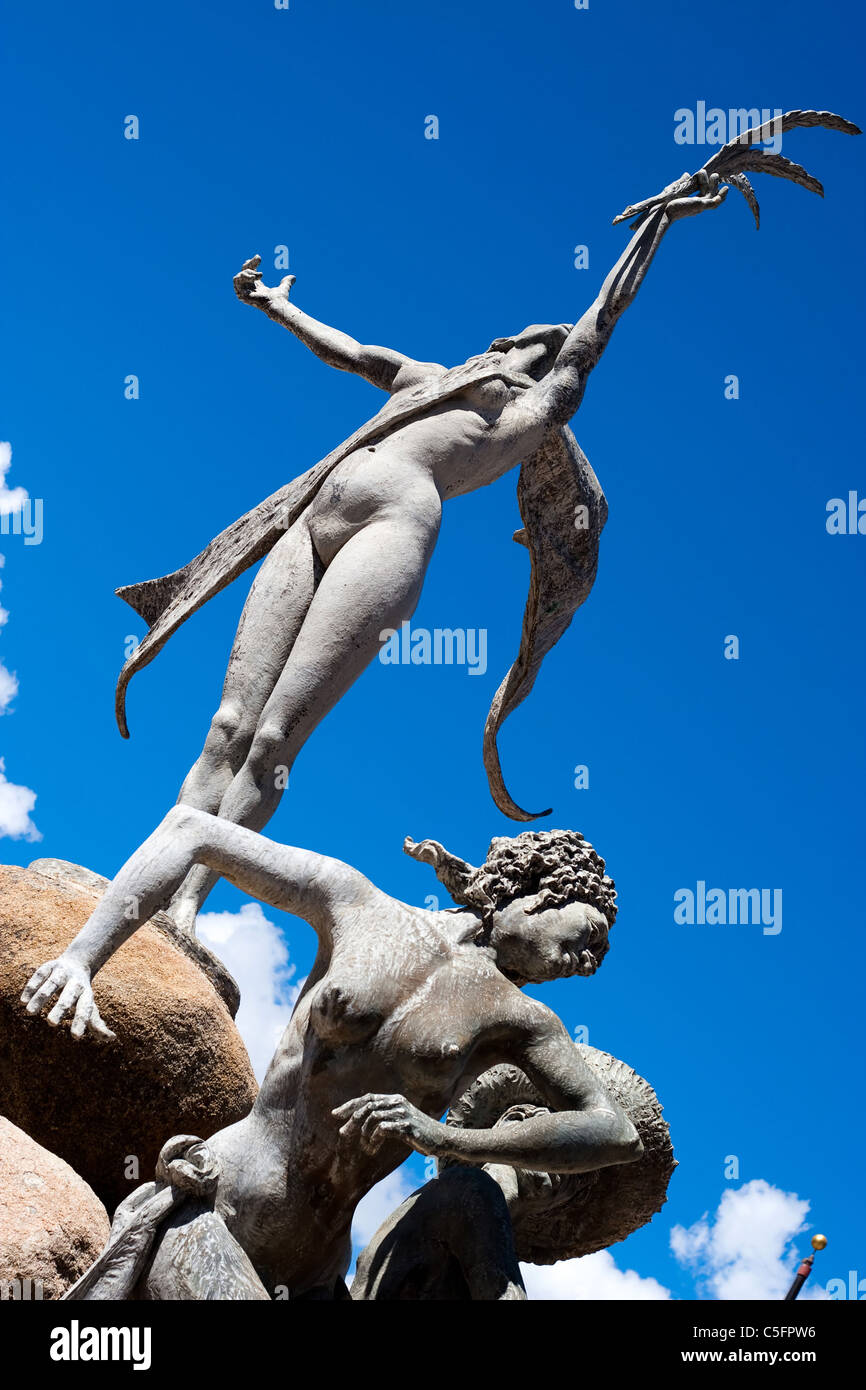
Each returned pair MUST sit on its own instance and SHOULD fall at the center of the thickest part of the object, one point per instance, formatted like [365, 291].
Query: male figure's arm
[299, 881]
[586, 1128]
[378, 365]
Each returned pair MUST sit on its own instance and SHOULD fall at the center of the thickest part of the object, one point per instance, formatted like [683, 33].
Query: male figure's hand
[709, 196]
[374, 1118]
[71, 981]
[250, 288]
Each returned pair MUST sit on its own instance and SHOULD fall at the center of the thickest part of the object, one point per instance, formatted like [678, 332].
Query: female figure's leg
[374, 582]
[271, 620]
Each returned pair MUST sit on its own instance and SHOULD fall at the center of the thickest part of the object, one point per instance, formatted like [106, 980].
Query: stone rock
[52, 1225]
[178, 1063]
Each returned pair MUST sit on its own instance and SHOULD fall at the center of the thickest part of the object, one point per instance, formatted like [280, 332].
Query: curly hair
[549, 867]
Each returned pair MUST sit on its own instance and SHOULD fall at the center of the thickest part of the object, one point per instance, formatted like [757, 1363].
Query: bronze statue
[403, 1009]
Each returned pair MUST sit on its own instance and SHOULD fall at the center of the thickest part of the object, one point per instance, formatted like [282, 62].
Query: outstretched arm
[378, 365]
[740, 156]
[586, 1130]
[557, 396]
[296, 880]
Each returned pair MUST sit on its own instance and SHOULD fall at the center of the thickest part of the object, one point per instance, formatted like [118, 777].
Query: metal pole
[818, 1243]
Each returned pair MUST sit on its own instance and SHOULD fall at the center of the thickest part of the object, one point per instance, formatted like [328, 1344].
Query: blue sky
[260, 128]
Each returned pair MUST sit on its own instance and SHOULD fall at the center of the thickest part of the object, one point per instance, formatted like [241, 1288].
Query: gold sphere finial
[819, 1242]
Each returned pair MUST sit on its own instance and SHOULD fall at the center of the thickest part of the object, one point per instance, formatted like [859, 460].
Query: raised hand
[250, 288]
[71, 981]
[741, 155]
[710, 195]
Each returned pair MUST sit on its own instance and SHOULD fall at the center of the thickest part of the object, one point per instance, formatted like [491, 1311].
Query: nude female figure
[403, 1008]
[354, 562]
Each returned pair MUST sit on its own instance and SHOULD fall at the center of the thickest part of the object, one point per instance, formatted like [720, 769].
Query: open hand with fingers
[709, 195]
[371, 1119]
[71, 981]
[250, 287]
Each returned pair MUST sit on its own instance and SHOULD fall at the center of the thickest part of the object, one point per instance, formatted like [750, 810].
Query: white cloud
[8, 682]
[746, 1249]
[4, 613]
[8, 688]
[378, 1205]
[593, 1276]
[16, 803]
[11, 499]
[254, 950]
